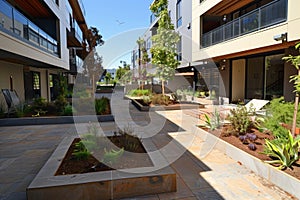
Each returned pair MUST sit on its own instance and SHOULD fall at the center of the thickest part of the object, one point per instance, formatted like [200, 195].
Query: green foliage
[240, 120]
[165, 43]
[284, 153]
[279, 112]
[81, 152]
[214, 121]
[68, 110]
[112, 156]
[139, 93]
[60, 103]
[102, 106]
[147, 100]
[160, 99]
[22, 109]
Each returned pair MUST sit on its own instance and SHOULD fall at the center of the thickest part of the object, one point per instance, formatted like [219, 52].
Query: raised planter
[54, 120]
[179, 106]
[104, 185]
[279, 178]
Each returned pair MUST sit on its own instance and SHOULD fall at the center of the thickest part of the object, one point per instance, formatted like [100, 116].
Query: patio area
[203, 172]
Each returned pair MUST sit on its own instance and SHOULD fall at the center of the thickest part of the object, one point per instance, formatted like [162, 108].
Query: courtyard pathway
[202, 171]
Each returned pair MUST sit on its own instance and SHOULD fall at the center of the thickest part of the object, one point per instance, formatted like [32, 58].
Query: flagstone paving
[202, 171]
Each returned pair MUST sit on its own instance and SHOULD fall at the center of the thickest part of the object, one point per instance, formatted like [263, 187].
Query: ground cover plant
[93, 152]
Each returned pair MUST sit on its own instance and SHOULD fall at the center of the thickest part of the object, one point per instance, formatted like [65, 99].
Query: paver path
[202, 172]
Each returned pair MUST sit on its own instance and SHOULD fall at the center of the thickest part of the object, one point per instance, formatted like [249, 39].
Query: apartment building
[246, 40]
[40, 39]
[180, 12]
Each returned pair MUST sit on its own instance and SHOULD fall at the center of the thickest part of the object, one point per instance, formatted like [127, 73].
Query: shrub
[279, 112]
[240, 120]
[81, 152]
[138, 93]
[102, 106]
[68, 110]
[161, 99]
[60, 103]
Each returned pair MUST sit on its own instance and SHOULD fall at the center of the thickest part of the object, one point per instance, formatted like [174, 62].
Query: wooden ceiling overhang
[227, 6]
[33, 8]
[78, 15]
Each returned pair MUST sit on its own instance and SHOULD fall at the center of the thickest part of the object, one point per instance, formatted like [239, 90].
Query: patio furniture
[12, 100]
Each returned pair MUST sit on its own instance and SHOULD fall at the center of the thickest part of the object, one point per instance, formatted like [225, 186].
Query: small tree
[108, 77]
[295, 61]
[143, 61]
[123, 74]
[93, 62]
[164, 43]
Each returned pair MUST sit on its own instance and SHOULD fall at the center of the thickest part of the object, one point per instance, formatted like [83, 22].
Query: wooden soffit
[227, 6]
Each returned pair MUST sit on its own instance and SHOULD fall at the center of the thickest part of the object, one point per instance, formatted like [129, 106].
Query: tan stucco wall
[16, 71]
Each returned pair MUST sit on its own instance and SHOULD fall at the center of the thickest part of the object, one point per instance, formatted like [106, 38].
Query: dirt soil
[259, 143]
[71, 165]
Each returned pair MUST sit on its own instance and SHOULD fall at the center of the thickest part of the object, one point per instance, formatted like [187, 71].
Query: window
[36, 80]
[178, 14]
[179, 49]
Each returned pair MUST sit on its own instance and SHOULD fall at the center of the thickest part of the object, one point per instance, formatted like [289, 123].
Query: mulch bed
[259, 142]
[71, 165]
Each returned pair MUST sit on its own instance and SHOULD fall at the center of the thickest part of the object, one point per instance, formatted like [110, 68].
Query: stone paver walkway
[202, 172]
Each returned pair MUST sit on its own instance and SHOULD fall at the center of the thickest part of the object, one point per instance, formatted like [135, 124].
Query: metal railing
[14, 21]
[265, 16]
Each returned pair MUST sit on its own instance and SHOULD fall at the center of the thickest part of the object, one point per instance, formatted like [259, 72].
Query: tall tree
[165, 43]
[295, 61]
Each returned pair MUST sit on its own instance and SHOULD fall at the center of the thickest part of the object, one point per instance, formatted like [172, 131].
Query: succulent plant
[251, 136]
[243, 138]
[252, 146]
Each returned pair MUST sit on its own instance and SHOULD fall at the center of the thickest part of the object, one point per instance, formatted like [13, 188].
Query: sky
[120, 22]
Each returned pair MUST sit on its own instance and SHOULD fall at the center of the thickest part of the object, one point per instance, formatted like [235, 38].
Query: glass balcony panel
[25, 28]
[19, 22]
[5, 15]
[249, 22]
[268, 15]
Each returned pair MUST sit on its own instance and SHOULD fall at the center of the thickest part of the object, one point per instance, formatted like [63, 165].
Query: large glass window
[274, 76]
[255, 78]
[179, 13]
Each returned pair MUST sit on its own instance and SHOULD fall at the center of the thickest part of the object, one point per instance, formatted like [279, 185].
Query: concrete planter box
[24, 121]
[179, 106]
[139, 106]
[101, 185]
[279, 178]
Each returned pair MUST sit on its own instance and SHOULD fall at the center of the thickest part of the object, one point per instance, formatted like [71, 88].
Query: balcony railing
[265, 16]
[76, 64]
[78, 31]
[14, 21]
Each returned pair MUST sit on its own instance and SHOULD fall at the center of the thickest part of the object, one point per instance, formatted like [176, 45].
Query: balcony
[75, 35]
[75, 65]
[16, 24]
[260, 18]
